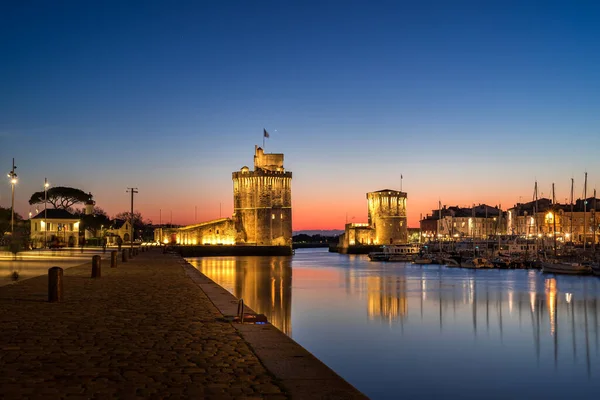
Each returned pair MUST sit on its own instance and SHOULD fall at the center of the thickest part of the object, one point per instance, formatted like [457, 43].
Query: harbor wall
[211, 251]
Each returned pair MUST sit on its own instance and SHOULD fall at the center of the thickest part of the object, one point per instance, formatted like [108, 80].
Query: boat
[501, 262]
[424, 259]
[596, 269]
[563, 267]
[476, 263]
[451, 261]
[396, 252]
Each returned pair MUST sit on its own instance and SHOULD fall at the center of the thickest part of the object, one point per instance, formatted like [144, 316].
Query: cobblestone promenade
[144, 329]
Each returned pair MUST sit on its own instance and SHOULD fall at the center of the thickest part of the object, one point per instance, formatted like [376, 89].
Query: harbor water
[398, 330]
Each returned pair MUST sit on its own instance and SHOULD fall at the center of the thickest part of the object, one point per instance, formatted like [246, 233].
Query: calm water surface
[397, 330]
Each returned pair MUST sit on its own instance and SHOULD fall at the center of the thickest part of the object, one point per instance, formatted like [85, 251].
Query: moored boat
[570, 268]
[476, 263]
[451, 261]
[423, 259]
[396, 252]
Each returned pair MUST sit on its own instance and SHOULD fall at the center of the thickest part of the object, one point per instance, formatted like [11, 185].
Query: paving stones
[144, 330]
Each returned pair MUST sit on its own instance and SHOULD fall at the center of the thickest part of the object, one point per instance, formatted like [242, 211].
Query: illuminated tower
[387, 215]
[262, 202]
[88, 210]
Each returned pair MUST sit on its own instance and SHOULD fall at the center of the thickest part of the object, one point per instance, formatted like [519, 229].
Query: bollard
[136, 251]
[130, 251]
[124, 256]
[55, 284]
[96, 267]
[113, 259]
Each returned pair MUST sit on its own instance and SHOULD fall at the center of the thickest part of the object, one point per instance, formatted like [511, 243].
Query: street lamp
[46, 184]
[13, 181]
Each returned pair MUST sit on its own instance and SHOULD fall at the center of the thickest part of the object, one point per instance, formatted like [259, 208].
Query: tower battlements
[262, 201]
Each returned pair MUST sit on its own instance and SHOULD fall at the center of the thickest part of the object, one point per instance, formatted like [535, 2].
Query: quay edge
[301, 374]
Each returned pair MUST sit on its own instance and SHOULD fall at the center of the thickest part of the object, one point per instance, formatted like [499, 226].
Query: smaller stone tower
[387, 216]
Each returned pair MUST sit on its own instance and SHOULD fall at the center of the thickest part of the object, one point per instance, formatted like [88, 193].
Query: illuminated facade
[387, 216]
[59, 228]
[262, 202]
[567, 222]
[262, 210]
[451, 223]
[387, 221]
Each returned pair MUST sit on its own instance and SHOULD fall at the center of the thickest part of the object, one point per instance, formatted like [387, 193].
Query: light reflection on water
[399, 330]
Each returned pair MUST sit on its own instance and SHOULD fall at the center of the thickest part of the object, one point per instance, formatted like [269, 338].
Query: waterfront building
[119, 228]
[262, 209]
[387, 222]
[454, 223]
[544, 219]
[56, 225]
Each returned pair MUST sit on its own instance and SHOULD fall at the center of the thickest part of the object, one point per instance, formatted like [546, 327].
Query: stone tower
[262, 202]
[387, 215]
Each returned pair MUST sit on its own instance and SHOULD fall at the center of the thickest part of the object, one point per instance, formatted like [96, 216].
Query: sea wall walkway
[153, 327]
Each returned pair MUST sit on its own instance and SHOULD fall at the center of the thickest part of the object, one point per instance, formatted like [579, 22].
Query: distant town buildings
[576, 222]
[452, 223]
[537, 218]
[262, 210]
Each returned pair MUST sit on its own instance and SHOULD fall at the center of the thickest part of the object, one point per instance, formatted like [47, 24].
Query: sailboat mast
[594, 223]
[572, 181]
[486, 222]
[584, 211]
[473, 229]
[420, 228]
[554, 219]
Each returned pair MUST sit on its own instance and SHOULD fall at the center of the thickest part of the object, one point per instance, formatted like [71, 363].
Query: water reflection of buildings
[386, 298]
[557, 318]
[265, 284]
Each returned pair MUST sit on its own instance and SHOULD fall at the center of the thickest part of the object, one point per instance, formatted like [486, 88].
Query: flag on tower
[265, 133]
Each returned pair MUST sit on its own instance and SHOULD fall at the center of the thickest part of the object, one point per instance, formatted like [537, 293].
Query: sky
[470, 102]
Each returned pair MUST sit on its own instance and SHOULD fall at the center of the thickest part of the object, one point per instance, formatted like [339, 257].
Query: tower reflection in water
[264, 283]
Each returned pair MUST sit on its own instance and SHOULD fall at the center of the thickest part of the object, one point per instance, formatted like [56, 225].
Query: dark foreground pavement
[153, 327]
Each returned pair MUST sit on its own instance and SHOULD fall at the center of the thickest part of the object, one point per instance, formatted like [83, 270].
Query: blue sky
[470, 101]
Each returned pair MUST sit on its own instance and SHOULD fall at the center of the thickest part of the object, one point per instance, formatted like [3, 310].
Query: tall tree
[5, 216]
[138, 220]
[61, 197]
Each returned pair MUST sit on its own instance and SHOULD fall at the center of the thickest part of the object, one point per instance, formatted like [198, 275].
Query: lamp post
[131, 190]
[13, 181]
[46, 184]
